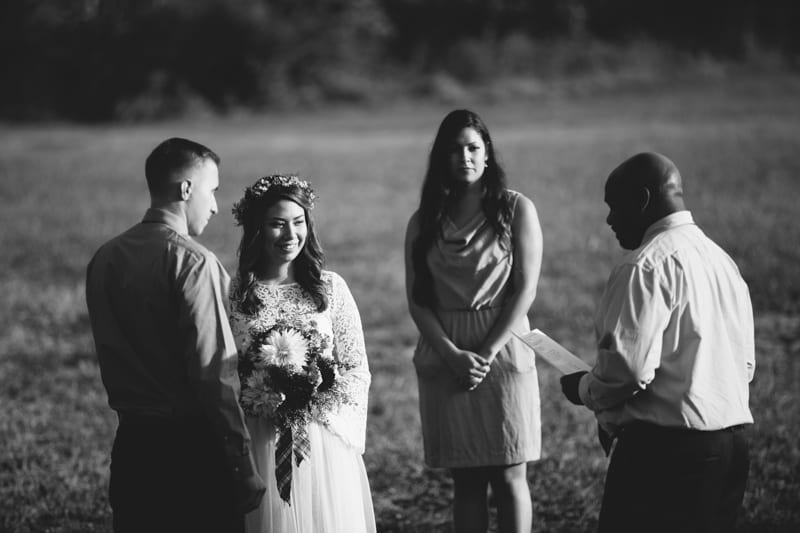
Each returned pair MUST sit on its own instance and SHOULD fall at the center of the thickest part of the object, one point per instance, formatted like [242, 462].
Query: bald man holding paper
[675, 358]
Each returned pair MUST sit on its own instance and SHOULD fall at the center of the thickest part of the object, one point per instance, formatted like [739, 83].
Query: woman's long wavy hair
[307, 265]
[439, 194]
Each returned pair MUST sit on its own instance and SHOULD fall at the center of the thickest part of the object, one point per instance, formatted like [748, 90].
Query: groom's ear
[186, 189]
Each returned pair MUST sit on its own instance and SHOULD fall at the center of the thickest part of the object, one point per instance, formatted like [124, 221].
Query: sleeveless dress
[497, 423]
[329, 490]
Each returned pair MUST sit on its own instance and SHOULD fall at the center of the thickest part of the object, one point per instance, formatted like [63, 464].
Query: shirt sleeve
[349, 419]
[632, 317]
[211, 358]
[749, 334]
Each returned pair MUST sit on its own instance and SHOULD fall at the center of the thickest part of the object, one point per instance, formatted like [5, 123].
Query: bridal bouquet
[284, 372]
[287, 371]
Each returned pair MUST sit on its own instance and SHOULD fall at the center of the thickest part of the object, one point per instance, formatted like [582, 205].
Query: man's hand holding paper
[555, 354]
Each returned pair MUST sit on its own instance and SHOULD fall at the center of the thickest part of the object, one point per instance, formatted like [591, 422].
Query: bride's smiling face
[285, 230]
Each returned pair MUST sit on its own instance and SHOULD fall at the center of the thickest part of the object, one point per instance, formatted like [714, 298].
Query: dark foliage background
[349, 94]
[97, 60]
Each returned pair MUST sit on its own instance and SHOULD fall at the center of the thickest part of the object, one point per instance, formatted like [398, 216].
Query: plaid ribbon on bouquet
[292, 440]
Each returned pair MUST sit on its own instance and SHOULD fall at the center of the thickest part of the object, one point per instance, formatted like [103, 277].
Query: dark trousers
[170, 476]
[675, 480]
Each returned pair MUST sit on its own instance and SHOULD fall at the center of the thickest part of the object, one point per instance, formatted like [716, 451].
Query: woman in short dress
[473, 256]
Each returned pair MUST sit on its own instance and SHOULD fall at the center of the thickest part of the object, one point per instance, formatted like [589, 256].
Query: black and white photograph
[399, 266]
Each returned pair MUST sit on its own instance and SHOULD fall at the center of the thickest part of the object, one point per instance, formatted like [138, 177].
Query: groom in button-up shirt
[157, 303]
[676, 355]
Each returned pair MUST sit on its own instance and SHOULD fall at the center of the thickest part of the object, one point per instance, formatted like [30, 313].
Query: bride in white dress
[280, 280]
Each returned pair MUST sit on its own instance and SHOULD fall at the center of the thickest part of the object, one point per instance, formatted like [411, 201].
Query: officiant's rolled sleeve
[675, 335]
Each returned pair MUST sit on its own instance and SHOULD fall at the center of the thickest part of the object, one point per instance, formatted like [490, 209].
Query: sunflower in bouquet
[287, 370]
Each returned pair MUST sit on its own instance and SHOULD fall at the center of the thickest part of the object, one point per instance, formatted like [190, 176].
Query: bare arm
[526, 238]
[468, 366]
[427, 322]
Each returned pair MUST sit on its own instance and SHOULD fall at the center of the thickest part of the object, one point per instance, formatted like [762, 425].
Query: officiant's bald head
[643, 189]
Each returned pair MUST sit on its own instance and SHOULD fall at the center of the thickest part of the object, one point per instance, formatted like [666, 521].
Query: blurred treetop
[106, 59]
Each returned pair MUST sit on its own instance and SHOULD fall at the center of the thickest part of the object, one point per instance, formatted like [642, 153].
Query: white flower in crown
[284, 348]
[257, 191]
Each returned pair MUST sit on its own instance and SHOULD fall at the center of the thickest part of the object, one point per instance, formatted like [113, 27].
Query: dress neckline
[470, 221]
[276, 285]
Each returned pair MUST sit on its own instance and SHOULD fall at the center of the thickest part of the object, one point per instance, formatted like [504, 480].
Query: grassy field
[66, 189]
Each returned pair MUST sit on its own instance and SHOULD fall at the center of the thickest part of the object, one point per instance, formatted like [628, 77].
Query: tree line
[98, 60]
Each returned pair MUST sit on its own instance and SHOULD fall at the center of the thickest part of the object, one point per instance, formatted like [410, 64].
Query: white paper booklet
[552, 352]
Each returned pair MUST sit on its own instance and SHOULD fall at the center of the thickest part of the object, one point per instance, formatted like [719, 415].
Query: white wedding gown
[330, 490]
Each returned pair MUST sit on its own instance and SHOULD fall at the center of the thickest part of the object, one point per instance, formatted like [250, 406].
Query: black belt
[140, 420]
[655, 429]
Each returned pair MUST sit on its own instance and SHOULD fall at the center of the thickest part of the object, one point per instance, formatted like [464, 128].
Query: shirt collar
[679, 218]
[163, 216]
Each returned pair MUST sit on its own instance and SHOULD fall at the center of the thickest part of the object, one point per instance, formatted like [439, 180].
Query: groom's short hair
[170, 159]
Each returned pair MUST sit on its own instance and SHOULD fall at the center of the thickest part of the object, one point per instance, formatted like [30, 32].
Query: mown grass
[66, 189]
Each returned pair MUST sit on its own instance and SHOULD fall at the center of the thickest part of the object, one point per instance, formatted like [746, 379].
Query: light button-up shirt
[675, 335]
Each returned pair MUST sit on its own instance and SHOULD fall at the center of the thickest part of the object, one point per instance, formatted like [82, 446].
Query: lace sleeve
[349, 421]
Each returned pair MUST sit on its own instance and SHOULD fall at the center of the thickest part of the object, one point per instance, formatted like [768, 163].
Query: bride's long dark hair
[250, 213]
[439, 194]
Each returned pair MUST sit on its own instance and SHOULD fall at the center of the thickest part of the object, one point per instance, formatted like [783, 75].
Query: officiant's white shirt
[675, 335]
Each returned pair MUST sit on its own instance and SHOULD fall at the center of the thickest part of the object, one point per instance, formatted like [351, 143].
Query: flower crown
[273, 183]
